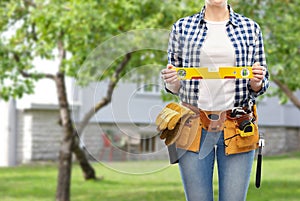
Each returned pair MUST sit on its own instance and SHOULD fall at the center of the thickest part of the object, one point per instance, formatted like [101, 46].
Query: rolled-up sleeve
[174, 52]
[261, 58]
[174, 48]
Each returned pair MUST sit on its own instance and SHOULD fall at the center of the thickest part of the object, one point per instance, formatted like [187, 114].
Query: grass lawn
[280, 182]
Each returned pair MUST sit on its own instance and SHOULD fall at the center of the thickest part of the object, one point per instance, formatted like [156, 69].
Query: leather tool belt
[182, 124]
[212, 121]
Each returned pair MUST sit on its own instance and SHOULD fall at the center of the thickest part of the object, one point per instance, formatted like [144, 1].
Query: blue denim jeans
[197, 169]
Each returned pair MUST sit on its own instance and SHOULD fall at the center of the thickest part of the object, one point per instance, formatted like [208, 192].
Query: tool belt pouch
[190, 135]
[241, 134]
[179, 124]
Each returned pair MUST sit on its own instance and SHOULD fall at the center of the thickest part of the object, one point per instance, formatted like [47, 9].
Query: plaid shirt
[185, 42]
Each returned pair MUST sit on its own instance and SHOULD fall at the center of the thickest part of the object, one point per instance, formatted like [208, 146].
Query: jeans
[197, 169]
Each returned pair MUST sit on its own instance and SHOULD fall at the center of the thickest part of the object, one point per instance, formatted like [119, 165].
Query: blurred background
[79, 81]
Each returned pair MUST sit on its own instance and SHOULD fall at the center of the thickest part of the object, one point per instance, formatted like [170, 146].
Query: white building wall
[8, 133]
[39, 134]
[127, 105]
[27, 138]
[281, 125]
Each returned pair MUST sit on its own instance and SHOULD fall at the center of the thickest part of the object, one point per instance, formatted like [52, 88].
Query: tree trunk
[87, 169]
[293, 98]
[70, 142]
[65, 153]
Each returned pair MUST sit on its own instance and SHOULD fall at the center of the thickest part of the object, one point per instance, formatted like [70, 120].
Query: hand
[259, 73]
[169, 75]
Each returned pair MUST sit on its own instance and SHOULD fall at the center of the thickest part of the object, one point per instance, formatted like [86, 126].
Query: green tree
[280, 26]
[67, 31]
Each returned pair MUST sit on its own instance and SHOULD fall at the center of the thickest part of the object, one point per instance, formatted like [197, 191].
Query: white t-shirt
[217, 50]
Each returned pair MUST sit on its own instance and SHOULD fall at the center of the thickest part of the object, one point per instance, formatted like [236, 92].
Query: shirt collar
[232, 16]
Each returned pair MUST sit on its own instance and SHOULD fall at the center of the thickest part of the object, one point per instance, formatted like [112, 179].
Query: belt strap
[212, 121]
[191, 107]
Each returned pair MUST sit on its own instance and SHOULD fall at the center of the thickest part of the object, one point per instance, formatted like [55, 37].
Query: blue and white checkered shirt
[187, 37]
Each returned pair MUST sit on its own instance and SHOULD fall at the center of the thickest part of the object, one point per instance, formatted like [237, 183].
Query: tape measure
[246, 129]
[214, 73]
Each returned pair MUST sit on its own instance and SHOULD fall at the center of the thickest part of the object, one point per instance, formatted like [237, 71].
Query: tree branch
[105, 100]
[29, 3]
[293, 98]
[33, 32]
[31, 75]
[61, 51]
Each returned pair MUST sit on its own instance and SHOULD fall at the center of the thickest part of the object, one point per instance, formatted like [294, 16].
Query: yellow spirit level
[214, 73]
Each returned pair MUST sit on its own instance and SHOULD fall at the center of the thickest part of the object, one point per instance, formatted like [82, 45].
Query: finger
[257, 72]
[167, 71]
[170, 66]
[257, 78]
[256, 64]
[258, 67]
[170, 78]
[170, 74]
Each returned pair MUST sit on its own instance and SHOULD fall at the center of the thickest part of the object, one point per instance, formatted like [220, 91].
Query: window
[147, 145]
[148, 86]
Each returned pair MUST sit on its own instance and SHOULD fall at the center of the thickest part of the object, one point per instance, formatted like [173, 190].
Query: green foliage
[279, 23]
[33, 29]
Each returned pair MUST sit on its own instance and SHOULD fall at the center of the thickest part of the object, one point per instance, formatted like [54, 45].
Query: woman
[217, 36]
